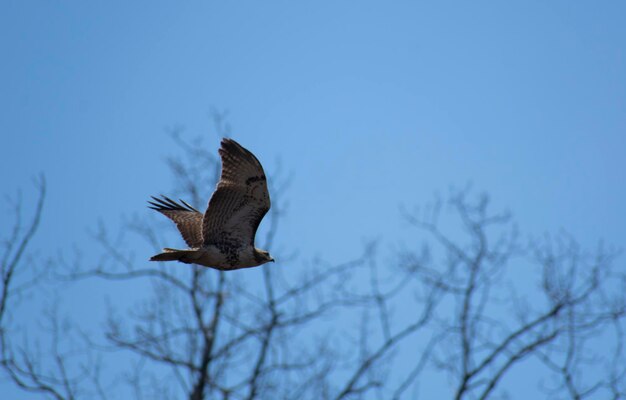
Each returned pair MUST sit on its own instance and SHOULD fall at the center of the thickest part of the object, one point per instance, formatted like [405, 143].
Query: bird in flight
[222, 237]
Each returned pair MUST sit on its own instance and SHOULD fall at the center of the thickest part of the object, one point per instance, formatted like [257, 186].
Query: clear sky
[369, 105]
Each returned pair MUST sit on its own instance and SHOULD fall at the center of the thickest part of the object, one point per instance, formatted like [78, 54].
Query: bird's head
[263, 256]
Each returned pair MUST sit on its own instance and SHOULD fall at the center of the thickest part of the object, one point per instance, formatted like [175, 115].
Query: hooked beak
[271, 260]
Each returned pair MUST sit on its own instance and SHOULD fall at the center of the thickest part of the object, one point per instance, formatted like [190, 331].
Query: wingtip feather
[166, 204]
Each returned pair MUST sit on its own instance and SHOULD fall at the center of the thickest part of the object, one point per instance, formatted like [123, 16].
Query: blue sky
[368, 106]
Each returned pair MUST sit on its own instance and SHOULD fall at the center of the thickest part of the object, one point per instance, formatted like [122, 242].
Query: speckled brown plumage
[223, 237]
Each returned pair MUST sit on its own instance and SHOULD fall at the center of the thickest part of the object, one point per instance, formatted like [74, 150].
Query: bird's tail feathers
[174, 255]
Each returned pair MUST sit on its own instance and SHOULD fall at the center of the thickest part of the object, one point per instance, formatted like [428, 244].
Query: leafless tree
[20, 365]
[21, 362]
[53, 363]
[237, 335]
[562, 320]
[369, 327]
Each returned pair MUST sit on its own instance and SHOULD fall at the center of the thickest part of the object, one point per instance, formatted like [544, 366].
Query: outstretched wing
[188, 220]
[240, 200]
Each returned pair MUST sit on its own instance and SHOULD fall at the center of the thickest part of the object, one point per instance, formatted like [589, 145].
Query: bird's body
[223, 237]
[212, 256]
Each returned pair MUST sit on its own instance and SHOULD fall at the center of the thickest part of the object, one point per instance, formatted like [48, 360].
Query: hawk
[222, 237]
